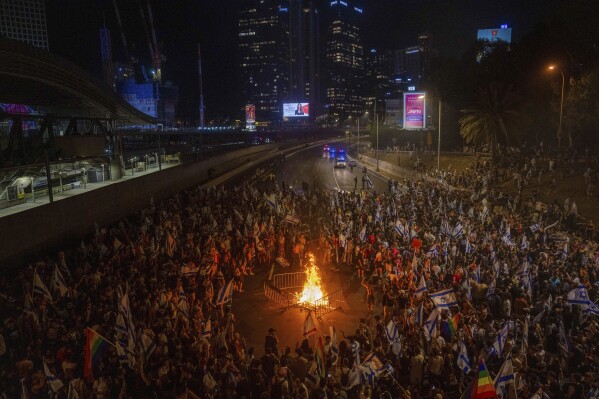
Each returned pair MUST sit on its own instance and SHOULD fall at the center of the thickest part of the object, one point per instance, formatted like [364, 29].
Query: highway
[312, 167]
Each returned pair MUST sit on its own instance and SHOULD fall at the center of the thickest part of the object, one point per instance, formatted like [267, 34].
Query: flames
[312, 292]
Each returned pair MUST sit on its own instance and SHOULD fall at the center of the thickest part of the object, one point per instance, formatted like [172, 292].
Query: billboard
[250, 117]
[414, 110]
[493, 35]
[292, 110]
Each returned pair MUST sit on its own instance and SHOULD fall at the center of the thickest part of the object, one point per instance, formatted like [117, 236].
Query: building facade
[412, 64]
[24, 20]
[305, 53]
[264, 50]
[345, 60]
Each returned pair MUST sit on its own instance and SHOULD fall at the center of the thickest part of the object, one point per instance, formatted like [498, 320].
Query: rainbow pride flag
[95, 347]
[453, 323]
[482, 386]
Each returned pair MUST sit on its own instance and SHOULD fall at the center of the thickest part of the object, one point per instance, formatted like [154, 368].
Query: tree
[581, 109]
[493, 119]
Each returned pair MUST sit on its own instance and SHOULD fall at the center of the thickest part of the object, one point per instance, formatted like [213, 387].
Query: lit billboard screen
[250, 117]
[493, 35]
[292, 110]
[250, 113]
[414, 110]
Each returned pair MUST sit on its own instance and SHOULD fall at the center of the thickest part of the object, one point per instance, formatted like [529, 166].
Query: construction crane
[155, 54]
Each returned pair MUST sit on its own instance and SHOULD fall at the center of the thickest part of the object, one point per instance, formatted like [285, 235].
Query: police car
[340, 162]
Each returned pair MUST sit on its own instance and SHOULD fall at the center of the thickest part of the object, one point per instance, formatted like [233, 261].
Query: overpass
[61, 92]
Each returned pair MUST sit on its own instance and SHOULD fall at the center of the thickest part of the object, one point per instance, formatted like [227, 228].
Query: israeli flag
[505, 378]
[421, 288]
[564, 337]
[467, 286]
[433, 251]
[362, 234]
[391, 330]
[444, 299]
[464, 359]
[430, 326]
[499, 344]
[225, 294]
[419, 314]
[491, 289]
[378, 217]
[535, 227]
[458, 230]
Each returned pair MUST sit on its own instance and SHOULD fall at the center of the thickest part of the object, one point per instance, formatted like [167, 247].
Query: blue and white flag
[506, 239]
[457, 231]
[464, 359]
[564, 338]
[148, 345]
[444, 299]
[523, 243]
[468, 248]
[468, 287]
[504, 380]
[579, 296]
[189, 270]
[362, 234]
[391, 331]
[53, 382]
[445, 228]
[433, 251]
[378, 217]
[271, 200]
[499, 344]
[400, 228]
[421, 287]
[418, 316]
[225, 294]
[430, 325]
[58, 283]
[39, 287]
[491, 288]
[535, 227]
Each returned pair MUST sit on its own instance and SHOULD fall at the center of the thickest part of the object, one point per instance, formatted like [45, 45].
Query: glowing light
[312, 292]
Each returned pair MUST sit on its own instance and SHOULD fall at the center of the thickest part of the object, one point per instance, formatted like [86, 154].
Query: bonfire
[312, 293]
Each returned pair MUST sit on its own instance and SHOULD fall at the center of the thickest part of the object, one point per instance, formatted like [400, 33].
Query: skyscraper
[264, 50]
[412, 64]
[345, 60]
[304, 52]
[24, 20]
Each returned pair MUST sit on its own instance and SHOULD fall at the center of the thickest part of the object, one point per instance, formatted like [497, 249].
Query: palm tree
[494, 117]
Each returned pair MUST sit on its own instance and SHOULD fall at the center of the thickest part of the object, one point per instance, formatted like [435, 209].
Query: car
[352, 164]
[340, 162]
[326, 148]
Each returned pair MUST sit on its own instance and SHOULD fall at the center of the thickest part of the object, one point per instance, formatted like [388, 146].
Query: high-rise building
[345, 60]
[24, 20]
[378, 71]
[264, 50]
[304, 53]
[412, 64]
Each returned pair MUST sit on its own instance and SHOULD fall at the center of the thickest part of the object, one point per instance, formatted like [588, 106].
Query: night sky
[73, 28]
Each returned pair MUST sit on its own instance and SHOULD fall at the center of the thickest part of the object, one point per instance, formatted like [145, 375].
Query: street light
[439, 137]
[377, 136]
[561, 105]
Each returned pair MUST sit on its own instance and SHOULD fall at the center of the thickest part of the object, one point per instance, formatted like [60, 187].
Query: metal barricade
[286, 281]
[328, 303]
[279, 297]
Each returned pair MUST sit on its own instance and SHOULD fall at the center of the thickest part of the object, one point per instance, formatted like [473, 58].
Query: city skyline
[387, 25]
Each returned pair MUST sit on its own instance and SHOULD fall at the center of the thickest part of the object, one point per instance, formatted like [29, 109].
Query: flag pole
[91, 329]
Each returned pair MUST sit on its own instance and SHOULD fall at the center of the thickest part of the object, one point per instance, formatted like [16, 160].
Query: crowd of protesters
[153, 287]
